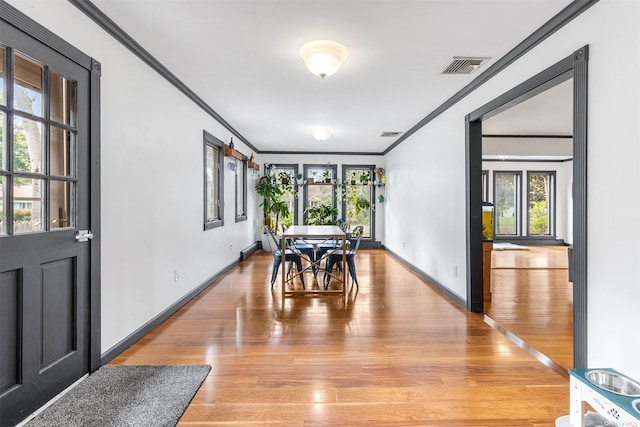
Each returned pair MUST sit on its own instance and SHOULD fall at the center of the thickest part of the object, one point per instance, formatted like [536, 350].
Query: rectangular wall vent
[464, 65]
[390, 134]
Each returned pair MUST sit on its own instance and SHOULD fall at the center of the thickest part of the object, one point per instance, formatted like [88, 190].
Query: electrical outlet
[176, 276]
[455, 271]
[404, 244]
[230, 248]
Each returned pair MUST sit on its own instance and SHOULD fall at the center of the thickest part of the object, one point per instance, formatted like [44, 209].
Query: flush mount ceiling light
[321, 133]
[323, 57]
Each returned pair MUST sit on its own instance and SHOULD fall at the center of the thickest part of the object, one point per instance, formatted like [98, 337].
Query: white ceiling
[241, 58]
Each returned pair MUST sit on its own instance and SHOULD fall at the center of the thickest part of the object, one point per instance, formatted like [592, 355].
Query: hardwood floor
[399, 353]
[533, 299]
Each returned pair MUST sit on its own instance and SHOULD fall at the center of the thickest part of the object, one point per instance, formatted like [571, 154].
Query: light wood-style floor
[533, 299]
[399, 353]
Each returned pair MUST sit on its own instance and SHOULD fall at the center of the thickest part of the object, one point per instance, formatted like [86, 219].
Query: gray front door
[44, 203]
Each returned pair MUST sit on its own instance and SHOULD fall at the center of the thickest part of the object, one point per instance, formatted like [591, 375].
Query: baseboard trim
[430, 280]
[246, 252]
[128, 341]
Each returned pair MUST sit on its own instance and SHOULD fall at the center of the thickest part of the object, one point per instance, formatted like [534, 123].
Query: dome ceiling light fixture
[323, 57]
[321, 133]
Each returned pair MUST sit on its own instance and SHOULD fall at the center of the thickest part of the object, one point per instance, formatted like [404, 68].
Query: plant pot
[310, 180]
[327, 180]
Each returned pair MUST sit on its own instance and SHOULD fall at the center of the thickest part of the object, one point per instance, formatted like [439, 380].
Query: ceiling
[241, 57]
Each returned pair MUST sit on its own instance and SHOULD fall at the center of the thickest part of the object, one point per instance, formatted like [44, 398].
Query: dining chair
[335, 257]
[290, 255]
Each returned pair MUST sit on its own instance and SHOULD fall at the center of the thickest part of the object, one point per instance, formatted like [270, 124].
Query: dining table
[314, 236]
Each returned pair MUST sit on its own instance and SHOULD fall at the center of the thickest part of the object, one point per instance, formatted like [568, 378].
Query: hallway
[398, 354]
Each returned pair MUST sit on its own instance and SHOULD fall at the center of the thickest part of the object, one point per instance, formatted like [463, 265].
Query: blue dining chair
[335, 257]
[290, 255]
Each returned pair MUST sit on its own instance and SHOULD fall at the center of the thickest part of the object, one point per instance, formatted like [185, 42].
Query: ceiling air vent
[390, 134]
[464, 65]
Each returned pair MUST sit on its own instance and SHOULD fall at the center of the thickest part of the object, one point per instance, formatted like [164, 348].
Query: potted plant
[326, 176]
[364, 178]
[362, 203]
[272, 204]
[353, 178]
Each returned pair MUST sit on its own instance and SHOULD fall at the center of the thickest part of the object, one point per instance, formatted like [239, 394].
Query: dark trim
[430, 280]
[327, 153]
[528, 161]
[565, 16]
[136, 335]
[370, 244]
[541, 357]
[246, 252]
[95, 219]
[473, 186]
[579, 271]
[104, 22]
[16, 18]
[574, 66]
[528, 136]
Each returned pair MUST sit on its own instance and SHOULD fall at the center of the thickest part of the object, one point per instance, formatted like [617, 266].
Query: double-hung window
[241, 189]
[213, 182]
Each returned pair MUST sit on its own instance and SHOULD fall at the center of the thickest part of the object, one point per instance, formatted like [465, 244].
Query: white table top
[314, 231]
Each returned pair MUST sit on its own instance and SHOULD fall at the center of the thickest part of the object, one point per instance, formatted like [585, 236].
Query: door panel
[44, 271]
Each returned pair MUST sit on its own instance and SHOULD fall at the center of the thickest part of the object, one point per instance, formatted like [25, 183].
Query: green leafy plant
[272, 204]
[321, 215]
[364, 177]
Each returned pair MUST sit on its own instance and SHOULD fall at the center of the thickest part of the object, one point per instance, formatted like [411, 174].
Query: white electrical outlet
[230, 248]
[455, 270]
[176, 276]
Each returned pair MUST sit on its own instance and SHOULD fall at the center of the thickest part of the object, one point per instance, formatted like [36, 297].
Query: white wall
[563, 181]
[152, 182]
[339, 160]
[431, 234]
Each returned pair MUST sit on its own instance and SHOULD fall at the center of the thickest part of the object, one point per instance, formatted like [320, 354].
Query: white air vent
[390, 134]
[464, 65]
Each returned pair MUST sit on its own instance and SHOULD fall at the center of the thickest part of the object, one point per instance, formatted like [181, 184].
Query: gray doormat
[126, 395]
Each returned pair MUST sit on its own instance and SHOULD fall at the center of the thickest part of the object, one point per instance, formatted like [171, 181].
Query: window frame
[551, 209]
[296, 185]
[211, 141]
[241, 186]
[372, 196]
[517, 200]
[305, 168]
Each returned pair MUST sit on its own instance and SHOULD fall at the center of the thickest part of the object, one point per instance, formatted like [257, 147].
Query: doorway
[49, 286]
[573, 67]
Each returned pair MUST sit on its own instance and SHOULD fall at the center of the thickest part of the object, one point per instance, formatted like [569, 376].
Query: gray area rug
[127, 395]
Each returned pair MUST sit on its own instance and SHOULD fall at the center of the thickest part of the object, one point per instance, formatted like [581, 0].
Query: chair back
[357, 235]
[344, 225]
[272, 239]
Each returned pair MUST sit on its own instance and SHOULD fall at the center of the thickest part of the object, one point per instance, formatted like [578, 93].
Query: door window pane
[62, 99]
[320, 196]
[506, 201]
[60, 215]
[2, 86]
[284, 177]
[27, 205]
[27, 86]
[27, 145]
[59, 151]
[212, 189]
[540, 203]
